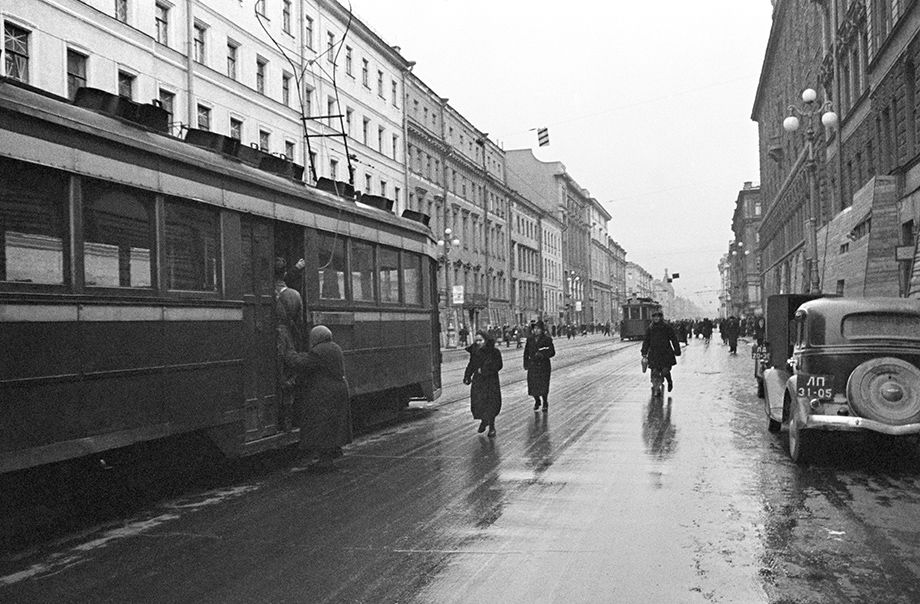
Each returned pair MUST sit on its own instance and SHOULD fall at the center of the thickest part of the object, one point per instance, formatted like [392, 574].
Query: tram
[637, 314]
[137, 287]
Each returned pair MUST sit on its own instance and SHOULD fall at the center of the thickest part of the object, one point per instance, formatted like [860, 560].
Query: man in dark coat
[482, 376]
[537, 352]
[661, 348]
[325, 418]
[731, 328]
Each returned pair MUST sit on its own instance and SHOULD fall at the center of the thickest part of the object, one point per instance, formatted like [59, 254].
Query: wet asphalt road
[609, 497]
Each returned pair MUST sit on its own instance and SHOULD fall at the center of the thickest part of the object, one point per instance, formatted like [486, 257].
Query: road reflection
[539, 446]
[659, 434]
[485, 496]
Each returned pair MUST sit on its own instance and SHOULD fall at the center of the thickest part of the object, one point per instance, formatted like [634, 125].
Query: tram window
[118, 236]
[412, 278]
[33, 223]
[389, 275]
[192, 246]
[362, 271]
[331, 265]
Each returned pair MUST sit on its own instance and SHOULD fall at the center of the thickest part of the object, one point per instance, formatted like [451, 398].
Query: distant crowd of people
[518, 334]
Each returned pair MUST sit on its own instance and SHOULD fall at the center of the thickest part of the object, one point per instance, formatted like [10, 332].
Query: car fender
[774, 383]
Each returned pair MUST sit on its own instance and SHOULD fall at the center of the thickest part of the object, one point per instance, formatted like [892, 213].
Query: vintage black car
[841, 364]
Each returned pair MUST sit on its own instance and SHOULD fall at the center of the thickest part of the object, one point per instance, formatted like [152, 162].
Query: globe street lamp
[446, 245]
[808, 111]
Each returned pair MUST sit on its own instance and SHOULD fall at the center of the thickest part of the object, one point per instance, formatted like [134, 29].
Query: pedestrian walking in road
[482, 376]
[325, 414]
[660, 349]
[731, 328]
[537, 352]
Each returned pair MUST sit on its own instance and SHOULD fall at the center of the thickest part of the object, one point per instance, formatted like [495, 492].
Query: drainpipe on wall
[190, 60]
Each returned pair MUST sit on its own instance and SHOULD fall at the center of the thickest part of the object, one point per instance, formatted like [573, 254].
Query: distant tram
[137, 288]
[637, 314]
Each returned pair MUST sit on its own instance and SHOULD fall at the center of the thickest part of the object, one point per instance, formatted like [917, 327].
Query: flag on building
[675, 275]
[543, 136]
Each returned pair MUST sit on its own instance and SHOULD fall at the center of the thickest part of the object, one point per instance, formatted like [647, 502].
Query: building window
[168, 101]
[199, 43]
[286, 16]
[348, 118]
[380, 138]
[365, 126]
[76, 72]
[840, 287]
[379, 83]
[260, 75]
[334, 169]
[308, 32]
[383, 188]
[121, 10]
[125, 85]
[308, 101]
[236, 129]
[330, 111]
[192, 246]
[231, 59]
[289, 150]
[118, 235]
[17, 52]
[204, 117]
[367, 184]
[330, 46]
[264, 140]
[162, 24]
[348, 62]
[395, 93]
[286, 89]
[365, 72]
[395, 145]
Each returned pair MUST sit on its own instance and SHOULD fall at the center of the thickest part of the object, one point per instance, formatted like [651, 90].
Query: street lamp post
[809, 110]
[446, 245]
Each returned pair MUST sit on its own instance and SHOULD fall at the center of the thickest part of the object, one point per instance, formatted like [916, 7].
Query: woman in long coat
[325, 417]
[537, 352]
[482, 376]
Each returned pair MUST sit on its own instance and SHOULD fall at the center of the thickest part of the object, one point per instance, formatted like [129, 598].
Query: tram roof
[210, 166]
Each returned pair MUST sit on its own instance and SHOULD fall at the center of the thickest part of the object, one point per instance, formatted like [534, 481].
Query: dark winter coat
[537, 352]
[485, 390]
[731, 328]
[660, 345]
[325, 414]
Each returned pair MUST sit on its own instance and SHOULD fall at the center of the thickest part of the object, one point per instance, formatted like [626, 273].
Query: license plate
[815, 386]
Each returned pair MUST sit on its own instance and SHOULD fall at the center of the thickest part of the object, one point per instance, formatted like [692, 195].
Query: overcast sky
[648, 105]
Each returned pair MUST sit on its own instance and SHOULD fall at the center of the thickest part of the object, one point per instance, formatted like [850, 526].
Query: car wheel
[887, 390]
[760, 390]
[799, 439]
[773, 425]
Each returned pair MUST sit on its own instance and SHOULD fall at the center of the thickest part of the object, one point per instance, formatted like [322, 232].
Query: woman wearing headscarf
[537, 352]
[482, 376]
[325, 418]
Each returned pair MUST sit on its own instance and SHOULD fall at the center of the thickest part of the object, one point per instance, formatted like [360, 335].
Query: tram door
[259, 350]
